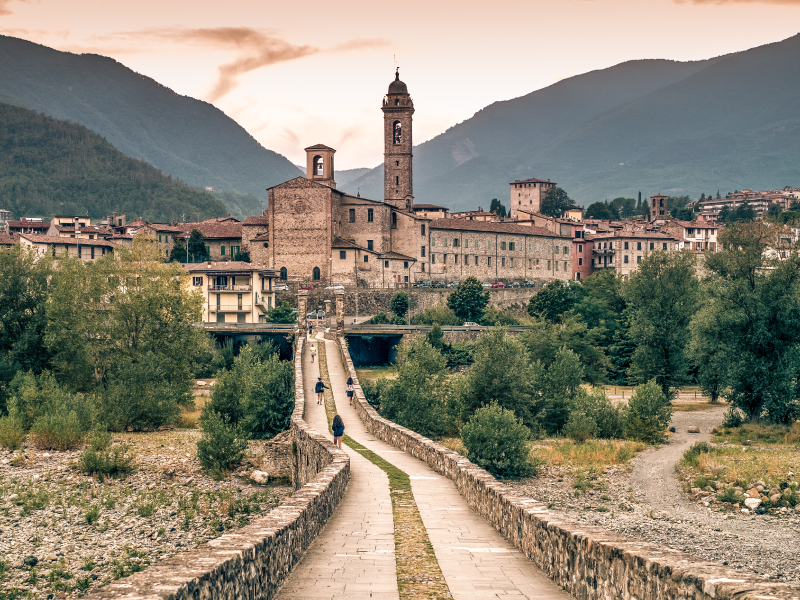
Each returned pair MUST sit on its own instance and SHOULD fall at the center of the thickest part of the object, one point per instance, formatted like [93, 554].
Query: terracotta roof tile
[397, 256]
[256, 220]
[490, 226]
[52, 239]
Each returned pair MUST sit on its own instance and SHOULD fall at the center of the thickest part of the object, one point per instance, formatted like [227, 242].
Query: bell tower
[319, 164]
[398, 181]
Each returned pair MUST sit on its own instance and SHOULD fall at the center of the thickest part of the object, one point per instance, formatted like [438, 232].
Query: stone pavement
[354, 555]
[476, 561]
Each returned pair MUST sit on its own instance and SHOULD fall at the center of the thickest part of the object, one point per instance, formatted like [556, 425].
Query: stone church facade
[320, 235]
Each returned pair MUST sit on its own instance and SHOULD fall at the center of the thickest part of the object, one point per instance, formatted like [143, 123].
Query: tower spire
[398, 109]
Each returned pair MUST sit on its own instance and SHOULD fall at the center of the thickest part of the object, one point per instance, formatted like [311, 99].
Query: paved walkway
[354, 555]
[476, 561]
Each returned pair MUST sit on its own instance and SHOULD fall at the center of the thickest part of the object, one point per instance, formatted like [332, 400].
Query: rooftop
[532, 180]
[491, 227]
[64, 241]
[229, 268]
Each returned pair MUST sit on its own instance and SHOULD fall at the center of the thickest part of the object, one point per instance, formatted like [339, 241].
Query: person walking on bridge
[313, 353]
[350, 389]
[338, 431]
[319, 389]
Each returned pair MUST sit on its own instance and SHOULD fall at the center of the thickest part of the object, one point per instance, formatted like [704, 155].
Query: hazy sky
[299, 73]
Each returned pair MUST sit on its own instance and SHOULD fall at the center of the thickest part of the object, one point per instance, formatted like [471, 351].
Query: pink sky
[298, 73]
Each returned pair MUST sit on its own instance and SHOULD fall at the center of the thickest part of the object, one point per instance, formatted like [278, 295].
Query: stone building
[528, 194]
[314, 233]
[623, 250]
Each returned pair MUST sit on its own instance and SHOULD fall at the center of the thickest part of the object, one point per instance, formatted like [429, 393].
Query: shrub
[60, 429]
[730, 495]
[497, 441]
[580, 427]
[733, 418]
[116, 462]
[269, 402]
[142, 395]
[436, 337]
[399, 304]
[12, 435]
[222, 445]
[373, 391]
[494, 316]
[438, 313]
[692, 455]
[649, 413]
[793, 436]
[380, 319]
[92, 515]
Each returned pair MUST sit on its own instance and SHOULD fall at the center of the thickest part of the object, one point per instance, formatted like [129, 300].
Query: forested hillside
[727, 123]
[50, 167]
[184, 137]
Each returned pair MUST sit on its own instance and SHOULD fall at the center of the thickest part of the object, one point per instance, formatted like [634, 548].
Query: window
[397, 133]
[555, 264]
[422, 229]
[580, 248]
[315, 274]
[476, 260]
[610, 245]
[580, 261]
[433, 259]
[369, 245]
[455, 259]
[386, 264]
[512, 262]
[548, 265]
[502, 245]
[92, 252]
[565, 266]
[489, 261]
[626, 245]
[159, 238]
[625, 259]
[397, 163]
[317, 165]
[555, 249]
[352, 215]
[405, 264]
[342, 254]
[530, 247]
[397, 180]
[446, 241]
[503, 262]
[566, 249]
[366, 258]
[197, 281]
[433, 240]
[611, 259]
[444, 259]
[394, 220]
[488, 244]
[423, 267]
[651, 245]
[284, 274]
[512, 246]
[240, 318]
[638, 245]
[466, 243]
[222, 250]
[422, 252]
[665, 245]
[638, 259]
[370, 215]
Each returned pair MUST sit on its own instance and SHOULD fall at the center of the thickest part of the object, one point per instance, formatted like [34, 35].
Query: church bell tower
[398, 108]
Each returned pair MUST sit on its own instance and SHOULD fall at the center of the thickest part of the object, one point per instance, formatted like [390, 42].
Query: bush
[649, 413]
[116, 462]
[141, 395]
[730, 495]
[580, 427]
[12, 435]
[438, 313]
[222, 445]
[497, 441]
[380, 319]
[60, 429]
[608, 418]
[399, 304]
[494, 316]
[733, 418]
[692, 455]
[373, 391]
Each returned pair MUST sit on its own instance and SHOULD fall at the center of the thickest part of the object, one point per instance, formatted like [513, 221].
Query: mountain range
[184, 137]
[726, 123]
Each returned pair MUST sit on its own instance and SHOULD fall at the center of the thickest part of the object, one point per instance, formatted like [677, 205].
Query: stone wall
[371, 302]
[253, 562]
[588, 562]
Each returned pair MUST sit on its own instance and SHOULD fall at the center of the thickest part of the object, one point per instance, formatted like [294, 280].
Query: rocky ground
[645, 500]
[63, 533]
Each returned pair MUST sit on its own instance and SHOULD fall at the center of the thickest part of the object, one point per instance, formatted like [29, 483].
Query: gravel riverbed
[63, 533]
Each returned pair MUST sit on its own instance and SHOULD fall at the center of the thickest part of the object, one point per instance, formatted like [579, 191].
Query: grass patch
[455, 444]
[694, 406]
[190, 417]
[375, 373]
[758, 433]
[592, 454]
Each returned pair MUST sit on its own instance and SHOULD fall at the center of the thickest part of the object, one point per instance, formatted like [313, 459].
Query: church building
[320, 235]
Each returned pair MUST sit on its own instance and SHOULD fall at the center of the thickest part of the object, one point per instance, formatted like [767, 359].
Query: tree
[555, 202]
[552, 301]
[178, 252]
[282, 313]
[243, 255]
[774, 211]
[682, 214]
[399, 304]
[556, 389]
[649, 413]
[438, 313]
[468, 300]
[706, 349]
[662, 296]
[750, 323]
[497, 208]
[497, 441]
[600, 304]
[198, 251]
[601, 210]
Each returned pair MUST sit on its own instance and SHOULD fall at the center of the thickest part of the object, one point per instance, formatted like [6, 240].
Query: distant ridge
[184, 137]
[725, 123]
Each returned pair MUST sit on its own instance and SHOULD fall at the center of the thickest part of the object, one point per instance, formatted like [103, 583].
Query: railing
[229, 288]
[230, 308]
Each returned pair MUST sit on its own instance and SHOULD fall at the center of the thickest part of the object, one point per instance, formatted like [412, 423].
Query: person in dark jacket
[318, 388]
[338, 430]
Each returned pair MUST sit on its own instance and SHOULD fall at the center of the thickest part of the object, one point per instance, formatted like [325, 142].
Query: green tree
[600, 304]
[498, 208]
[468, 300]
[556, 389]
[662, 295]
[601, 210]
[436, 337]
[243, 255]
[399, 304]
[282, 313]
[497, 441]
[555, 202]
[417, 399]
[774, 211]
[750, 323]
[552, 301]
[438, 313]
[501, 371]
[178, 252]
[649, 413]
[198, 251]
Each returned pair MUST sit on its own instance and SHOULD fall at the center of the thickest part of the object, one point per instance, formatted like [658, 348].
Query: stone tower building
[397, 109]
[319, 164]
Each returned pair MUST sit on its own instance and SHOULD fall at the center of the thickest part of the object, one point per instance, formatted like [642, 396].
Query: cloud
[720, 2]
[256, 49]
[4, 10]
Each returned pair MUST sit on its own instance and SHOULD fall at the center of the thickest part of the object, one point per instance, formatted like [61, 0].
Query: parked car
[425, 283]
[498, 284]
[282, 288]
[438, 284]
[487, 285]
[529, 284]
[306, 286]
[453, 284]
[470, 324]
[316, 314]
[335, 286]
[514, 284]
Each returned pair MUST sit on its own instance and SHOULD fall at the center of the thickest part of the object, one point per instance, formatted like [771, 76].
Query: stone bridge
[336, 538]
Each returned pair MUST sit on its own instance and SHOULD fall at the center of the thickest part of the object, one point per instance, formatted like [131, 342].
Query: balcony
[218, 308]
[604, 251]
[229, 288]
